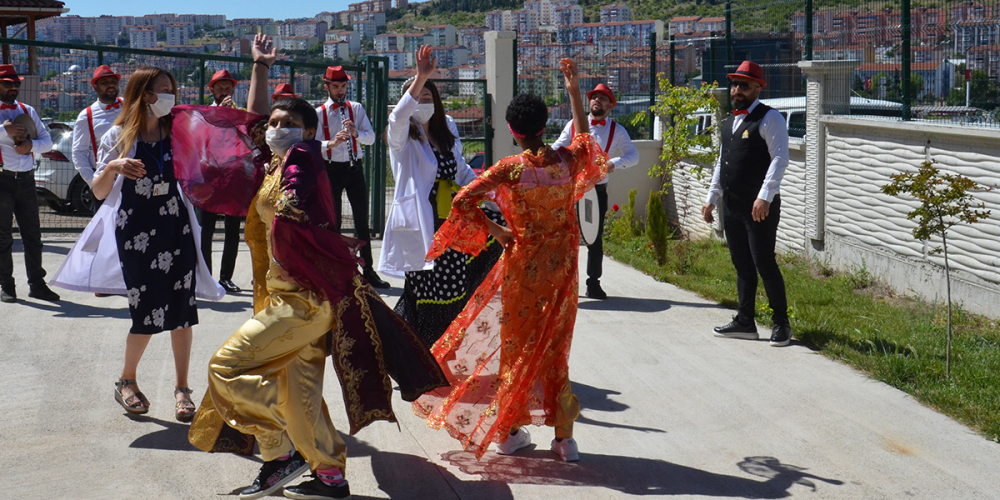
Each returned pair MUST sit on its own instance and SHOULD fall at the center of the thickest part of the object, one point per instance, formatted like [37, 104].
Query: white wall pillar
[828, 92]
[501, 66]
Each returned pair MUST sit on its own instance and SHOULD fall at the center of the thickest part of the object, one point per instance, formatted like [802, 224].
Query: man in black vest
[748, 178]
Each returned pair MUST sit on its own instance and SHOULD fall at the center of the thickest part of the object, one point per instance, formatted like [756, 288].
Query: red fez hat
[283, 90]
[8, 73]
[750, 71]
[336, 74]
[604, 89]
[221, 75]
[103, 71]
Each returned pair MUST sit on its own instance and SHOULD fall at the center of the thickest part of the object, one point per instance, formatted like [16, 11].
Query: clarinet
[350, 146]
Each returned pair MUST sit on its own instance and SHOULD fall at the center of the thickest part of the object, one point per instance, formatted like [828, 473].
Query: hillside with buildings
[610, 41]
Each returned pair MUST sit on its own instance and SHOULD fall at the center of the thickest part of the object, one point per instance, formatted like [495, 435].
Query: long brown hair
[437, 126]
[134, 109]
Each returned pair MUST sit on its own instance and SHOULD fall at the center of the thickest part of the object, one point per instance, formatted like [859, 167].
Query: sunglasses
[741, 84]
[8, 83]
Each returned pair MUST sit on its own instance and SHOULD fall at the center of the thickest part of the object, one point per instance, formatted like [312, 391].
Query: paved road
[668, 410]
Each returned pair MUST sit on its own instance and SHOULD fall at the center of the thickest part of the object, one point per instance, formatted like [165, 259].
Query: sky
[230, 8]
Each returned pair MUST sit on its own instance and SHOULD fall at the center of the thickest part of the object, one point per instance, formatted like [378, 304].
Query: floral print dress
[507, 354]
[156, 246]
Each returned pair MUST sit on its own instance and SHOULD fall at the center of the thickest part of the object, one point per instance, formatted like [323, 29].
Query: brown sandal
[184, 409]
[136, 404]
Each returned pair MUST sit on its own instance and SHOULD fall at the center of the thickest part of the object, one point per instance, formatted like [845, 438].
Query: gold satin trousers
[267, 379]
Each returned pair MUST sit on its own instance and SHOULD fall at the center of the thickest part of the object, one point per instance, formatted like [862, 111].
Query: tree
[945, 201]
[51, 74]
[679, 108]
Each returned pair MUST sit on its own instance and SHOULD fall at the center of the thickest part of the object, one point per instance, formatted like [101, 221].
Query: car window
[62, 140]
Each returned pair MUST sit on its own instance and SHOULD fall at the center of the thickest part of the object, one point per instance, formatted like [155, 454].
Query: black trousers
[343, 178]
[229, 248]
[18, 198]
[595, 251]
[751, 248]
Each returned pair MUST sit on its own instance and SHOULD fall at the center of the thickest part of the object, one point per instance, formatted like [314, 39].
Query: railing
[62, 88]
[467, 102]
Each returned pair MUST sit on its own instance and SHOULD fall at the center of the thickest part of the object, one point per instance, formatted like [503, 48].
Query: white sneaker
[514, 442]
[566, 449]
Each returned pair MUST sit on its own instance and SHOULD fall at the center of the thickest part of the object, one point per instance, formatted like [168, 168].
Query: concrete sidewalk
[668, 410]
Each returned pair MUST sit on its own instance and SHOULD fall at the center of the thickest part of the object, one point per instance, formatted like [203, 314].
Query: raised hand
[425, 62]
[568, 68]
[262, 50]
[14, 130]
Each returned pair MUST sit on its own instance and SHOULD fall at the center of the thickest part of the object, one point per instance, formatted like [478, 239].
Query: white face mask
[423, 113]
[281, 139]
[162, 106]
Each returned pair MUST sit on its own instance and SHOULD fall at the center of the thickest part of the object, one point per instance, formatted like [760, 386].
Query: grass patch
[852, 318]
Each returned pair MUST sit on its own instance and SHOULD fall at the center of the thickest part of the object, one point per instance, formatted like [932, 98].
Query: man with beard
[95, 121]
[614, 140]
[345, 129]
[222, 85]
[17, 190]
[747, 178]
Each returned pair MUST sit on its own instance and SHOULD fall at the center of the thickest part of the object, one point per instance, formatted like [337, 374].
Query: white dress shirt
[43, 144]
[775, 133]
[621, 144]
[84, 139]
[335, 120]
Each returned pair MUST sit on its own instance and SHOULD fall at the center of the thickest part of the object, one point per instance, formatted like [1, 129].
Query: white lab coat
[93, 265]
[409, 226]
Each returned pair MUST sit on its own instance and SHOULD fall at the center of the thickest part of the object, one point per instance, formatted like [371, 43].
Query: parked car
[476, 163]
[57, 180]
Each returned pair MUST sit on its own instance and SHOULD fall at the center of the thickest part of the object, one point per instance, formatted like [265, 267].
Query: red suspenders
[93, 136]
[326, 128]
[25, 111]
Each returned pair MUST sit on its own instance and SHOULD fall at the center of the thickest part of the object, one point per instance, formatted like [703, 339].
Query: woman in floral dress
[153, 259]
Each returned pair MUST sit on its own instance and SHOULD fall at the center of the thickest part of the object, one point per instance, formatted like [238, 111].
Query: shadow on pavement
[594, 398]
[67, 309]
[228, 307]
[636, 476]
[630, 304]
[402, 476]
[173, 436]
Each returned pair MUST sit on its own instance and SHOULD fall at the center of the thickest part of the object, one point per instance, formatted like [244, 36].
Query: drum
[587, 212]
[25, 120]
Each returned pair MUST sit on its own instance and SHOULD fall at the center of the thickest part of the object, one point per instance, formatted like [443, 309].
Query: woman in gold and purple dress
[266, 381]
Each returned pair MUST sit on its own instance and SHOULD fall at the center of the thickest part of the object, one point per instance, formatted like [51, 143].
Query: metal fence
[467, 102]
[626, 63]
[61, 88]
[932, 60]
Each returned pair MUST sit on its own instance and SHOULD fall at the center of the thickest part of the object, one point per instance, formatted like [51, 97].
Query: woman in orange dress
[507, 357]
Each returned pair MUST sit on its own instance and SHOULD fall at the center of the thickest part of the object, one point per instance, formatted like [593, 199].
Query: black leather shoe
[736, 329]
[41, 291]
[275, 474]
[594, 290]
[317, 489]
[374, 280]
[781, 335]
[229, 286]
[8, 295]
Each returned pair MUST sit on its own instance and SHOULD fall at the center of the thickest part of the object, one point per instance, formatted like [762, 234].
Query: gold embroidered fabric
[506, 355]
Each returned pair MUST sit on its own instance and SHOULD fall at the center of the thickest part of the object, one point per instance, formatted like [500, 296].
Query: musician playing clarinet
[345, 128]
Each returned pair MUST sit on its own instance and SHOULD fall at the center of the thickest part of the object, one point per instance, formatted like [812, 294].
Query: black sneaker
[737, 329]
[374, 280]
[8, 295]
[781, 335]
[594, 290]
[41, 291]
[317, 490]
[275, 474]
